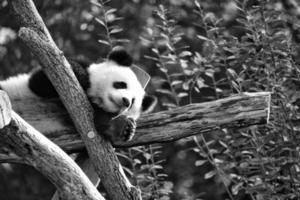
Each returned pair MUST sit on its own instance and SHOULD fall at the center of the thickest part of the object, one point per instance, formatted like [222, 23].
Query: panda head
[115, 88]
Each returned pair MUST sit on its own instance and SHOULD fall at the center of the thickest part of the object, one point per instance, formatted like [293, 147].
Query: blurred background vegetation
[195, 51]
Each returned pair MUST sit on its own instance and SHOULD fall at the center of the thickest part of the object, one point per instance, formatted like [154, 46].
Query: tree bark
[237, 111]
[23, 141]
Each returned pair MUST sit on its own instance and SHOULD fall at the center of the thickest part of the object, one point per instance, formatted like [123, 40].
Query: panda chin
[100, 111]
[117, 107]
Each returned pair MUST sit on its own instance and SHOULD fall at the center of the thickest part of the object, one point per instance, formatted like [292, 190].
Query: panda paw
[129, 130]
[119, 129]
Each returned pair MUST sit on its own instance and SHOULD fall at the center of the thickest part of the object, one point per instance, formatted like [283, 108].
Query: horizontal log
[50, 118]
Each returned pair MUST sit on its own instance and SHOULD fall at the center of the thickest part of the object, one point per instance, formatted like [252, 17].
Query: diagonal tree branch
[26, 145]
[58, 70]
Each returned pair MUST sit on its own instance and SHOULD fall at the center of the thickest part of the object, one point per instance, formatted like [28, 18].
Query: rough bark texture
[20, 140]
[57, 68]
[5, 106]
[232, 112]
[87, 166]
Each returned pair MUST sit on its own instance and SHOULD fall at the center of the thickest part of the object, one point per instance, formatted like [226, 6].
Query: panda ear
[120, 56]
[149, 103]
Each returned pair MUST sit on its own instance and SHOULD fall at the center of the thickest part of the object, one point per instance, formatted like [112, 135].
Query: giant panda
[113, 89]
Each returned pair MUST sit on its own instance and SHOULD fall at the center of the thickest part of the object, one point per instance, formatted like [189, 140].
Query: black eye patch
[120, 85]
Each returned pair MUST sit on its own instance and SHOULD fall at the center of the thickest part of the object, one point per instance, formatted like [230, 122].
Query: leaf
[147, 156]
[209, 72]
[232, 73]
[202, 38]
[176, 75]
[96, 3]
[213, 30]
[105, 2]
[236, 188]
[176, 39]
[218, 161]
[209, 175]
[171, 62]
[110, 11]
[185, 53]
[170, 47]
[104, 42]
[182, 94]
[151, 58]
[162, 91]
[122, 40]
[223, 144]
[116, 30]
[200, 162]
[188, 72]
[200, 83]
[163, 69]
[156, 167]
[183, 63]
[236, 6]
[186, 86]
[155, 51]
[137, 161]
[100, 22]
[219, 90]
[197, 4]
[176, 82]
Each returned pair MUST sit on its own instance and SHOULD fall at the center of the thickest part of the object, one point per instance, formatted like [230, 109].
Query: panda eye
[120, 85]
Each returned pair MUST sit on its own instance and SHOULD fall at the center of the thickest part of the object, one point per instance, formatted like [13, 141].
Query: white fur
[102, 76]
[106, 96]
[17, 87]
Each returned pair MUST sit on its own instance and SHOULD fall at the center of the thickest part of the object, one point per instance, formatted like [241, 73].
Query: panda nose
[126, 102]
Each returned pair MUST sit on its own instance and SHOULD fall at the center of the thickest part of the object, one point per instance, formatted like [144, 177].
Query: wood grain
[233, 112]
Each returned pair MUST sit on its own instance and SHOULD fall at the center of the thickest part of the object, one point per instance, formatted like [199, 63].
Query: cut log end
[5, 109]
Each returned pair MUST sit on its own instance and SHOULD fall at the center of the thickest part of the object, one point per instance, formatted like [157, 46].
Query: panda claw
[129, 130]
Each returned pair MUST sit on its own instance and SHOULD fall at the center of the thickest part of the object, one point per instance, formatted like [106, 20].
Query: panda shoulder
[79, 67]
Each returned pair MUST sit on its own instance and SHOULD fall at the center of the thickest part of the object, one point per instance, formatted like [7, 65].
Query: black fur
[81, 73]
[40, 85]
[120, 56]
[148, 103]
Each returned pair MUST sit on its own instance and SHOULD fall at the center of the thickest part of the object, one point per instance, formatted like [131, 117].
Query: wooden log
[233, 112]
[5, 109]
[20, 140]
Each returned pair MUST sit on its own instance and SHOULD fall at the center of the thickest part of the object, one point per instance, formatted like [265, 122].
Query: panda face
[115, 89]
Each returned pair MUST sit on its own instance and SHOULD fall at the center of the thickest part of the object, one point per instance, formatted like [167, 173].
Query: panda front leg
[129, 129]
[121, 128]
